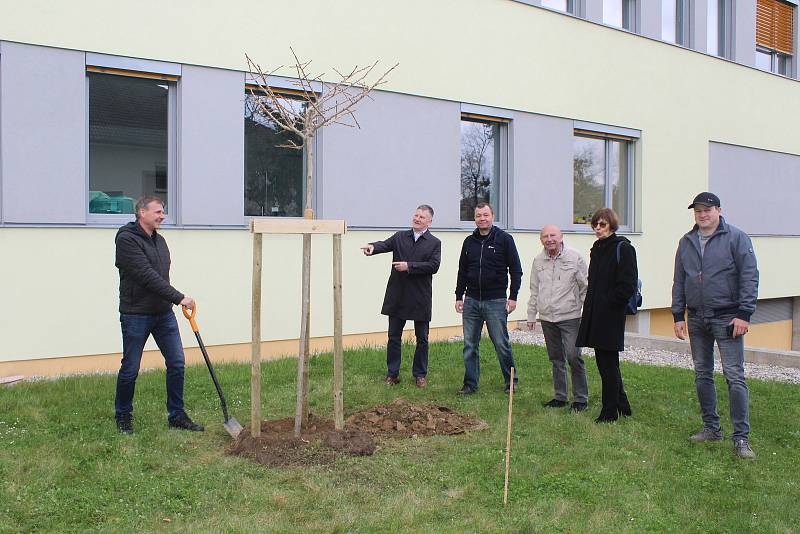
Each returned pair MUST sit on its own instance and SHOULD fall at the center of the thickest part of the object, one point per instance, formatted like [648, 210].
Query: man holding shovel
[145, 306]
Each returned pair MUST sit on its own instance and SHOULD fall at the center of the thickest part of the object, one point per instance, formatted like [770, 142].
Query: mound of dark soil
[319, 443]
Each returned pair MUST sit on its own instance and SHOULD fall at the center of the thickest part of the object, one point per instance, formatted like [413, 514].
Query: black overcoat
[409, 293]
[611, 284]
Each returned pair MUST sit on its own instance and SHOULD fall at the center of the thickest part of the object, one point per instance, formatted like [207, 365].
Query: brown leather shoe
[421, 381]
[392, 380]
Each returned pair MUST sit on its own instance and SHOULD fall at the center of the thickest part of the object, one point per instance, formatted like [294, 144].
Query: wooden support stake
[301, 408]
[255, 361]
[508, 437]
[338, 371]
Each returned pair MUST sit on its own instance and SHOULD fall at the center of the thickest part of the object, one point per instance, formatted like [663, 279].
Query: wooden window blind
[775, 25]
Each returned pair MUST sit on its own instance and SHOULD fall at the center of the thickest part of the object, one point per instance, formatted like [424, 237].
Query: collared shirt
[418, 235]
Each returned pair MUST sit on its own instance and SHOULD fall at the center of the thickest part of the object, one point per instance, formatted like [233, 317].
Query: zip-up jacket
[143, 262]
[485, 265]
[558, 286]
[721, 281]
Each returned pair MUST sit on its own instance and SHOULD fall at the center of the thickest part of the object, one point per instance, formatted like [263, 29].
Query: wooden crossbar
[298, 226]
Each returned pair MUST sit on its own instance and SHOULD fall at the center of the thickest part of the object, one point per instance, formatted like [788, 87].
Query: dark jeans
[494, 314]
[615, 400]
[702, 334]
[396, 325]
[135, 331]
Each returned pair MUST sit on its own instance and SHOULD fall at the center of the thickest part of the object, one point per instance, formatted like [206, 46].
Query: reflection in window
[480, 166]
[128, 143]
[560, 5]
[675, 21]
[619, 13]
[274, 183]
[601, 177]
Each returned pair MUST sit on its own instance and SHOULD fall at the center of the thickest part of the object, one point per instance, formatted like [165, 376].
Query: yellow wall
[776, 335]
[59, 285]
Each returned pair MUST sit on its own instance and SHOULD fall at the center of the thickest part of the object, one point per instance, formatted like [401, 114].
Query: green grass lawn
[64, 467]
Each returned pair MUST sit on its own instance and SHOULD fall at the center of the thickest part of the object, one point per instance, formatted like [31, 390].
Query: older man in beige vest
[558, 287]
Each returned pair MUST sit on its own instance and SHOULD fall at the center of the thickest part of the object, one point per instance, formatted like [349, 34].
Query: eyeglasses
[600, 224]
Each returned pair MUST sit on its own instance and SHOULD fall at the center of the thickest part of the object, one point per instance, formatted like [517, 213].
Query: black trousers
[396, 325]
[615, 401]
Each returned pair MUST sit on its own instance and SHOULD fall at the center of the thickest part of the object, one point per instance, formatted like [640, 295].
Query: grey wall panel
[744, 33]
[542, 175]
[43, 125]
[406, 153]
[649, 18]
[751, 183]
[772, 310]
[211, 163]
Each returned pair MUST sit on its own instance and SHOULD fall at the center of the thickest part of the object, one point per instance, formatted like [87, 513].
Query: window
[620, 13]
[720, 28]
[602, 175]
[483, 149]
[567, 6]
[774, 36]
[675, 17]
[131, 125]
[274, 172]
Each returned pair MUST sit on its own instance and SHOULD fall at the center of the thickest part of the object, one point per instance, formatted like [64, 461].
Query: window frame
[628, 136]
[292, 93]
[501, 207]
[775, 54]
[173, 87]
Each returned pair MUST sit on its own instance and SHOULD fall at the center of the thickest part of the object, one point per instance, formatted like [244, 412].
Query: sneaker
[707, 434]
[579, 406]
[125, 423]
[467, 390]
[555, 403]
[182, 421]
[508, 389]
[742, 449]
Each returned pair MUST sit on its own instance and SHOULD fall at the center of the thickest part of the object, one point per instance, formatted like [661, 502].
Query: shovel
[231, 424]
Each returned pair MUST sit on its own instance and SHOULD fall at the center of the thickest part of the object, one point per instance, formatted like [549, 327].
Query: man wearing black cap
[716, 282]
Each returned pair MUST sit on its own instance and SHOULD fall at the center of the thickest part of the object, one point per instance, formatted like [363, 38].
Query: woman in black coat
[612, 282]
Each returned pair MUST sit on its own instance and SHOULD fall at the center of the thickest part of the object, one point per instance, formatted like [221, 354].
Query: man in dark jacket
[416, 255]
[145, 306]
[488, 257]
[716, 282]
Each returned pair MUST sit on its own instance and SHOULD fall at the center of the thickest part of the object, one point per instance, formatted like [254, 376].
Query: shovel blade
[233, 427]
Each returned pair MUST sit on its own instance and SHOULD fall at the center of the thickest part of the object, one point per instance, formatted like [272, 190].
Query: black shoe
[625, 411]
[579, 406]
[182, 421]
[125, 423]
[555, 403]
[605, 419]
[508, 389]
[467, 390]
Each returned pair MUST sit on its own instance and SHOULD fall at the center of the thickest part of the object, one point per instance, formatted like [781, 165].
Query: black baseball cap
[705, 198]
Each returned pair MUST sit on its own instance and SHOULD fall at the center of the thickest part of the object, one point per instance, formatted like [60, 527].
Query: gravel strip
[664, 358]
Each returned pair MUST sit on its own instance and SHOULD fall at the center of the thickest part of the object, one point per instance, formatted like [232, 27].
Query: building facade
[548, 109]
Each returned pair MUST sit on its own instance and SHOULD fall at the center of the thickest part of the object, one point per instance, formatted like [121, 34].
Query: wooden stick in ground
[508, 437]
[338, 372]
[255, 358]
[301, 408]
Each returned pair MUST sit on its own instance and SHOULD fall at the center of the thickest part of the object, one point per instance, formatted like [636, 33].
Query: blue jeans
[703, 331]
[135, 331]
[493, 313]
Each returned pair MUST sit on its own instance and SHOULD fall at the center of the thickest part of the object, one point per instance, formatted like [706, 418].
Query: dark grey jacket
[409, 294]
[143, 263]
[722, 281]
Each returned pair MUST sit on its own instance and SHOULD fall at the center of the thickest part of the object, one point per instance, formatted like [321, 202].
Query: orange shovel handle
[191, 315]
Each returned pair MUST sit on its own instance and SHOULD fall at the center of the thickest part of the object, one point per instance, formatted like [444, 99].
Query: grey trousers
[560, 341]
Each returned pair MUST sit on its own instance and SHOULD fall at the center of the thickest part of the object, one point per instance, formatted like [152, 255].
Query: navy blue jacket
[143, 262]
[485, 265]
